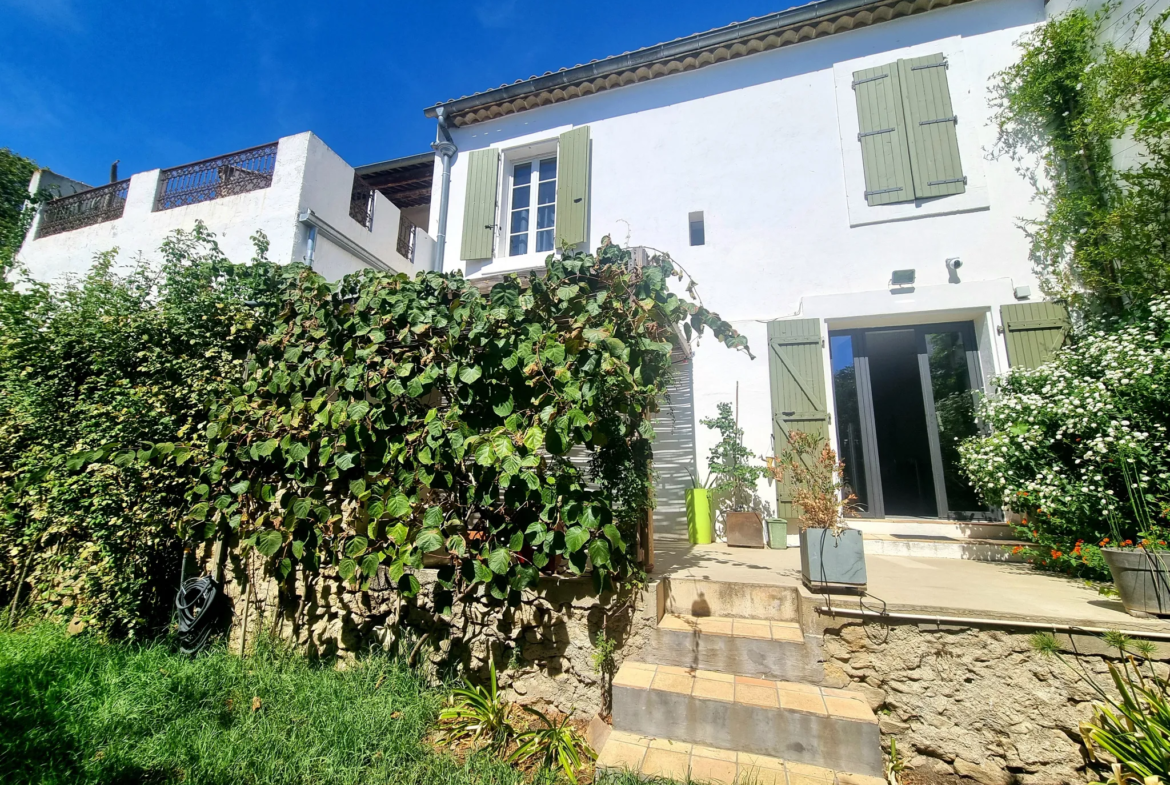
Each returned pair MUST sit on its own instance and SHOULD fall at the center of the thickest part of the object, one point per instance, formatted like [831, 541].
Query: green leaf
[345, 460]
[298, 548]
[599, 552]
[356, 547]
[370, 564]
[266, 448]
[428, 541]
[470, 374]
[268, 541]
[297, 452]
[357, 487]
[457, 545]
[483, 573]
[240, 487]
[433, 518]
[499, 559]
[398, 506]
[556, 442]
[575, 538]
[347, 569]
[357, 410]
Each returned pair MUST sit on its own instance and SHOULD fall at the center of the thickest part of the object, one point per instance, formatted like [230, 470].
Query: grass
[75, 710]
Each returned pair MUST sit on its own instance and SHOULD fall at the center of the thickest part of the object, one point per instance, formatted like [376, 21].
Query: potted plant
[735, 473]
[700, 519]
[1141, 570]
[831, 554]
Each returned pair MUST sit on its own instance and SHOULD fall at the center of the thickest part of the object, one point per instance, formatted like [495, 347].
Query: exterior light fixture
[902, 278]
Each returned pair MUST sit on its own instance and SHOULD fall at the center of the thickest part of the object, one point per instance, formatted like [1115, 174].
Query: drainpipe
[446, 149]
[311, 246]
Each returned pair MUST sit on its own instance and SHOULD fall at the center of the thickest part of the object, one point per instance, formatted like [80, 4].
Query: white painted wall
[762, 146]
[308, 175]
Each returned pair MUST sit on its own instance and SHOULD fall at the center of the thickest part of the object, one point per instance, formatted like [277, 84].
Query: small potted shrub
[1140, 570]
[735, 472]
[831, 554]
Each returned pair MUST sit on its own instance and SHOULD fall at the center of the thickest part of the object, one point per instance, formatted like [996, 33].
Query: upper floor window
[539, 176]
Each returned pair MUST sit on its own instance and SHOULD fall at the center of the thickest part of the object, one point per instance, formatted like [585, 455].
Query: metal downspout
[446, 149]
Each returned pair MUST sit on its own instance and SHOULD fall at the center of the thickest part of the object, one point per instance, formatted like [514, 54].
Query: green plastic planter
[777, 533]
[700, 522]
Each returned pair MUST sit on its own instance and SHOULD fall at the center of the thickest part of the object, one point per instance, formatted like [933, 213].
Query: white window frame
[529, 153]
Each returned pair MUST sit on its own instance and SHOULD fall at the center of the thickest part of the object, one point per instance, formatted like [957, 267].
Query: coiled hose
[196, 606]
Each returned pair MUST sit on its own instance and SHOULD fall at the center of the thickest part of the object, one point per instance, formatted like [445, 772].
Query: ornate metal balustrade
[226, 175]
[405, 237]
[87, 208]
[361, 203]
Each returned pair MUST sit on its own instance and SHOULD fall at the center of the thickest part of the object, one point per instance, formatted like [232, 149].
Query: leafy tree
[733, 468]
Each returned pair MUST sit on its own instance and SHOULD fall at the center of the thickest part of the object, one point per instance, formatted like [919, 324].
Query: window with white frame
[533, 187]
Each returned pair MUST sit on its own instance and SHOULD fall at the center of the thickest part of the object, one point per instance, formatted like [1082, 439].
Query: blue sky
[157, 84]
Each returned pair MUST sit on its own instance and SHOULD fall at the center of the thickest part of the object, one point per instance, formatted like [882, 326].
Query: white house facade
[824, 173]
[308, 202]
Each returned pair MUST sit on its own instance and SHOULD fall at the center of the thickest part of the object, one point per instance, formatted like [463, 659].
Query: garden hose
[196, 607]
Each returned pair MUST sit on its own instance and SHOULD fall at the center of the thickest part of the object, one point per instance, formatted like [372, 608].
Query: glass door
[905, 400]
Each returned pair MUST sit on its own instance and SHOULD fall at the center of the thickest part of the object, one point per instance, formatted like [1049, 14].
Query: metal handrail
[213, 178]
[97, 205]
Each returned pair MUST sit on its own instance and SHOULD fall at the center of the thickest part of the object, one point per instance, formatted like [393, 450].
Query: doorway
[905, 399]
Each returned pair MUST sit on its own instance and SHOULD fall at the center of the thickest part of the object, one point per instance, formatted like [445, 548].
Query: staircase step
[685, 762]
[919, 527]
[793, 721]
[943, 548]
[744, 647]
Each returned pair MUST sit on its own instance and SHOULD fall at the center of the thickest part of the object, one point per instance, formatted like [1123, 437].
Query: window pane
[522, 174]
[519, 245]
[545, 216]
[548, 169]
[544, 240]
[519, 221]
[520, 197]
[954, 410]
[848, 417]
[547, 193]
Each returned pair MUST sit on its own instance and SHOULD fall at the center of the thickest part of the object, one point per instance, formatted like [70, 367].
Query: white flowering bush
[1067, 438]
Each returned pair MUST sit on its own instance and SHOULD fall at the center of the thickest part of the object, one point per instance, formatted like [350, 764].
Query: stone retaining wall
[547, 642]
[976, 703]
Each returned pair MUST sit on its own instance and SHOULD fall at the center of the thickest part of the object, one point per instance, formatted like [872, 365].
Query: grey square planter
[829, 562]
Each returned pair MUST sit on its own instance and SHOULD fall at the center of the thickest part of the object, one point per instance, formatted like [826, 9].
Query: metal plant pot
[744, 529]
[1142, 579]
[832, 562]
[700, 522]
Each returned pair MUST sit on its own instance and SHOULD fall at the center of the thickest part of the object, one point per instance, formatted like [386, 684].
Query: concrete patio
[916, 585]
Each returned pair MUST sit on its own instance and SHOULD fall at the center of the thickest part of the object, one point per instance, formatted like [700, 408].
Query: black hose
[196, 606]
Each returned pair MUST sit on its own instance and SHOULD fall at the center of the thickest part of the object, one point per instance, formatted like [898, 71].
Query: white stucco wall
[307, 175]
[762, 146]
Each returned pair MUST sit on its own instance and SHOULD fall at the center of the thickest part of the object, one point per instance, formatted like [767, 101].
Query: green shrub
[1065, 437]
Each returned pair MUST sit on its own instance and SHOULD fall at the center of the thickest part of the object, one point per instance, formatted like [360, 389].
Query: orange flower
[1056, 554]
[1104, 541]
[1017, 549]
[1126, 543]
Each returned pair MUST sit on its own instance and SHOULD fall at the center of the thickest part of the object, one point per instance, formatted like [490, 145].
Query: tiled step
[685, 762]
[746, 647]
[802, 723]
[701, 597]
[918, 527]
[943, 548]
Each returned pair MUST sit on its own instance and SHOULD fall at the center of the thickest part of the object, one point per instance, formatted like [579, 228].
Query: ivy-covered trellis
[387, 418]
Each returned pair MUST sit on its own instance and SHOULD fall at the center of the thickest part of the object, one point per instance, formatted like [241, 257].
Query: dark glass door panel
[949, 356]
[849, 440]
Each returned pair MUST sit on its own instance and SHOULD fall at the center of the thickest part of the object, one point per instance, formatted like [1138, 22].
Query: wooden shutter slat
[882, 135]
[572, 220]
[1034, 332]
[479, 204]
[930, 130]
[796, 367]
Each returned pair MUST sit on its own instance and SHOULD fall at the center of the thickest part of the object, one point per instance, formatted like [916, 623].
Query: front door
[905, 399]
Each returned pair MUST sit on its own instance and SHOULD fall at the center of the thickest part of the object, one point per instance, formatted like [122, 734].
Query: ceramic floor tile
[810, 771]
[671, 622]
[715, 676]
[671, 745]
[619, 755]
[795, 686]
[760, 761]
[713, 625]
[714, 690]
[639, 666]
[802, 701]
[756, 696]
[849, 709]
[673, 682]
[633, 677]
[720, 772]
[627, 738]
[748, 628]
[755, 682]
[676, 670]
[858, 779]
[751, 775]
[699, 751]
[788, 634]
[664, 763]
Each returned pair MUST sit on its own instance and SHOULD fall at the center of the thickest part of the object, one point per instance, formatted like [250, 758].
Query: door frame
[869, 446]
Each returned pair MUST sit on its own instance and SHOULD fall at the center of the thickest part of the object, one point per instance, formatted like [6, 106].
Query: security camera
[954, 263]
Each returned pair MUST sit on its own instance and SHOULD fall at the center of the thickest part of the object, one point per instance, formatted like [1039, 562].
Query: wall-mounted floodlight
[902, 278]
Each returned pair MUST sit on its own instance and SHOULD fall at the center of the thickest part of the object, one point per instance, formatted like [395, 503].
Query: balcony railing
[361, 203]
[405, 237]
[87, 208]
[227, 175]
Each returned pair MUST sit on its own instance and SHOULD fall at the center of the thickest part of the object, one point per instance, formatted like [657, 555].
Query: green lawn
[74, 710]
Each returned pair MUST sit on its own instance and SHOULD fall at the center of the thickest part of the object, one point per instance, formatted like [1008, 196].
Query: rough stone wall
[980, 704]
[543, 647]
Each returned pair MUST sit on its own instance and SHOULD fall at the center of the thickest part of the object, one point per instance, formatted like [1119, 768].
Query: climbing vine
[386, 419]
[1087, 120]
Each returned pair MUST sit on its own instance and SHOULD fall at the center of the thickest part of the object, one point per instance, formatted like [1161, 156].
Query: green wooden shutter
[572, 220]
[930, 127]
[796, 366]
[882, 135]
[479, 205]
[1034, 332]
